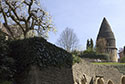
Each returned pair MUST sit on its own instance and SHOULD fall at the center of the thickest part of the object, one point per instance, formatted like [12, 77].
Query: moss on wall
[121, 68]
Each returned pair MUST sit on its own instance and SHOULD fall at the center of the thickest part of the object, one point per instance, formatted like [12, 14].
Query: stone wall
[40, 62]
[80, 73]
[50, 75]
[113, 55]
[94, 72]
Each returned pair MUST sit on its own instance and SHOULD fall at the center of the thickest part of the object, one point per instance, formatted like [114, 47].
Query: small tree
[91, 41]
[68, 40]
[124, 50]
[89, 45]
[27, 15]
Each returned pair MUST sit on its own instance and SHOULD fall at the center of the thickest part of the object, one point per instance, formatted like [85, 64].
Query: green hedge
[94, 55]
[39, 52]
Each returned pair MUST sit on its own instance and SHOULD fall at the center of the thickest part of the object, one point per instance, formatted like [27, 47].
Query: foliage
[6, 82]
[122, 60]
[89, 44]
[76, 52]
[76, 59]
[68, 40]
[25, 15]
[98, 53]
[37, 51]
[30, 51]
[3, 45]
[123, 50]
[93, 55]
[89, 51]
[5, 60]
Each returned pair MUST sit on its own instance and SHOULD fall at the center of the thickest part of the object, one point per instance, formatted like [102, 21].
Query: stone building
[14, 31]
[106, 33]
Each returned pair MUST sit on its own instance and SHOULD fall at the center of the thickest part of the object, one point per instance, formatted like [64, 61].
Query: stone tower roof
[106, 32]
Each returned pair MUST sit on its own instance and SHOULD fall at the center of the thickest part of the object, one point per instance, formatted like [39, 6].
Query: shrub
[5, 60]
[37, 51]
[76, 59]
[6, 82]
[3, 46]
[93, 55]
[122, 60]
[75, 52]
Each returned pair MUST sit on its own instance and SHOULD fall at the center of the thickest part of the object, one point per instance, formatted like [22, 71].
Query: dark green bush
[37, 51]
[6, 82]
[93, 55]
[122, 60]
[16, 56]
[5, 60]
[3, 46]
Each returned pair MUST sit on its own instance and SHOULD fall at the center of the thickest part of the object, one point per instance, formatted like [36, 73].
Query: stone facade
[49, 75]
[106, 33]
[14, 30]
[80, 73]
[96, 74]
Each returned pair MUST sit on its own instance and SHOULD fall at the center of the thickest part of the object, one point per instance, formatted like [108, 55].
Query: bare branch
[33, 18]
[14, 11]
[68, 40]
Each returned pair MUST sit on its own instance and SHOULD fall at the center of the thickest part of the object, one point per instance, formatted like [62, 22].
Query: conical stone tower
[106, 33]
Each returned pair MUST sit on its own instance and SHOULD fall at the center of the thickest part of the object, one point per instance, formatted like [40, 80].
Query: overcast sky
[85, 17]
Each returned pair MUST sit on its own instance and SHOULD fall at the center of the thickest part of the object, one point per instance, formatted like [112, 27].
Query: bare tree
[26, 14]
[68, 40]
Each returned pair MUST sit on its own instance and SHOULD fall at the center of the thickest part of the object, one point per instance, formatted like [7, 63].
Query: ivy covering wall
[39, 52]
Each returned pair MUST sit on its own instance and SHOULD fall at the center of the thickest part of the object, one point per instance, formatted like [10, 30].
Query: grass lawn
[108, 63]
